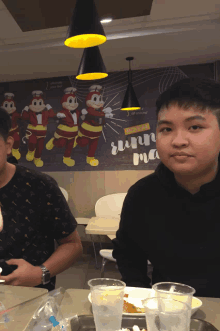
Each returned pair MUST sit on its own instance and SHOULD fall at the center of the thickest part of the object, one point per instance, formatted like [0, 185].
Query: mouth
[180, 154]
[181, 157]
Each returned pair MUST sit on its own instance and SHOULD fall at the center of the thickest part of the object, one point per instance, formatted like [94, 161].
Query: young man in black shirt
[171, 217]
[35, 213]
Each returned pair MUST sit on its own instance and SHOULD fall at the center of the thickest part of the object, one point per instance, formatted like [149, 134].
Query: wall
[86, 184]
[85, 187]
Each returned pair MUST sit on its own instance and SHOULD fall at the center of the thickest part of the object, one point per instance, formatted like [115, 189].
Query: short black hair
[12, 159]
[5, 123]
[202, 94]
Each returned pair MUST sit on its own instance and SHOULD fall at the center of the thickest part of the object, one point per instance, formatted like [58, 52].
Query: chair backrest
[66, 196]
[110, 205]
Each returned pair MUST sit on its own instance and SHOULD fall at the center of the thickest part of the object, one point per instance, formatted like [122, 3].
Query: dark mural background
[127, 141]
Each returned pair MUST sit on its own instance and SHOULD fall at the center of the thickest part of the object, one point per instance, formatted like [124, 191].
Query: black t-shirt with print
[35, 213]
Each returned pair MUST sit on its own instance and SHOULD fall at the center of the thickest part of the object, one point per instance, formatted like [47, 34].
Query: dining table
[16, 296]
[76, 302]
[103, 226]
[209, 310]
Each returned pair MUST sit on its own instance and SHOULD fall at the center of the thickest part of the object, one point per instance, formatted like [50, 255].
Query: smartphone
[6, 268]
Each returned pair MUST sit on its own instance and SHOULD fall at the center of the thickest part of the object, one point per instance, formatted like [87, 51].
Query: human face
[192, 132]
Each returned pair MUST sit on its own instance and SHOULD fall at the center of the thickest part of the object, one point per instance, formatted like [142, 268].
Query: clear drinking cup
[107, 296]
[176, 291]
[166, 314]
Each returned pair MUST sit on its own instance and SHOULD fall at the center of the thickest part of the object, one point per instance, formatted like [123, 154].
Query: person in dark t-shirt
[171, 217]
[35, 213]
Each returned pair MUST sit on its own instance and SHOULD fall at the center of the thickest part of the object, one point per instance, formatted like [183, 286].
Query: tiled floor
[84, 269]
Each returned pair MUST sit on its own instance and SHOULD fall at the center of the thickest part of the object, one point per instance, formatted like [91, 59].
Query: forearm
[63, 257]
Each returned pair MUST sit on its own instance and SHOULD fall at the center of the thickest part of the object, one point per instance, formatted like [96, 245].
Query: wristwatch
[45, 274]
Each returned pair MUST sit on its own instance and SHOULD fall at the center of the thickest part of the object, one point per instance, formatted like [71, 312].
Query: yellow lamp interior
[92, 76]
[131, 108]
[85, 40]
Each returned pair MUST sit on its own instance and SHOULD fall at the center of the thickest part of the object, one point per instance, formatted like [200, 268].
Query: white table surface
[102, 226]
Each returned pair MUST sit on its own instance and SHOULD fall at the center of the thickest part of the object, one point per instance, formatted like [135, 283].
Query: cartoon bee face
[37, 105]
[9, 106]
[96, 101]
[71, 103]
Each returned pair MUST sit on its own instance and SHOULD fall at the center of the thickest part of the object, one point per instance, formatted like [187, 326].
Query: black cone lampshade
[85, 29]
[91, 66]
[130, 101]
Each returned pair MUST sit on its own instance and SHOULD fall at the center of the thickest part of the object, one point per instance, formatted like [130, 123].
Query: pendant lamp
[85, 29]
[91, 66]
[130, 101]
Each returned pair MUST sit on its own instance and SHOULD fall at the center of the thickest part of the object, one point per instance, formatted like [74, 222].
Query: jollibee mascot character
[67, 129]
[91, 128]
[9, 105]
[37, 114]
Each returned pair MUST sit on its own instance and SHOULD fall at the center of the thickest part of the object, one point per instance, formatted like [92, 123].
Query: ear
[9, 144]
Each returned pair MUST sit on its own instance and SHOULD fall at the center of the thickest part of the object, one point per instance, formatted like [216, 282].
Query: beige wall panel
[121, 181]
[84, 189]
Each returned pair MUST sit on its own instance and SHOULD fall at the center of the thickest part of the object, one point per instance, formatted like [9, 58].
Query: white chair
[109, 206]
[84, 221]
[66, 195]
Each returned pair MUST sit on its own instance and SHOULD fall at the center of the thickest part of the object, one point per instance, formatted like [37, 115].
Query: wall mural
[62, 124]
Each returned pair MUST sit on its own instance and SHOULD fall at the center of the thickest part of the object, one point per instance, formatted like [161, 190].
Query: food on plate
[134, 306]
[195, 301]
[130, 308]
[135, 328]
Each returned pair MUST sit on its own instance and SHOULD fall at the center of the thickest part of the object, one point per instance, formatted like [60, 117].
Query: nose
[180, 139]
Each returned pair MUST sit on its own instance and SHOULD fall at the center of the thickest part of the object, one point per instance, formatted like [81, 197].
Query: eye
[40, 103]
[35, 103]
[11, 105]
[162, 130]
[6, 104]
[71, 100]
[196, 126]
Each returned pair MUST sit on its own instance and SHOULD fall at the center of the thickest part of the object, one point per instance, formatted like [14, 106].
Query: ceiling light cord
[129, 74]
[129, 71]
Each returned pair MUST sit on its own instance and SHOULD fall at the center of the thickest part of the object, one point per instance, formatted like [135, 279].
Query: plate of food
[133, 297]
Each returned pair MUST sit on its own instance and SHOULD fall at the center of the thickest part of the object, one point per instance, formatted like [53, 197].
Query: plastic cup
[107, 296]
[176, 291]
[166, 314]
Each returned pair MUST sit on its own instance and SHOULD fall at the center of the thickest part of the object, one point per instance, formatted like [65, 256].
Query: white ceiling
[176, 33]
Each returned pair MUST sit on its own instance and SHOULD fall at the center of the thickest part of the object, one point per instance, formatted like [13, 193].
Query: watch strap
[45, 274]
